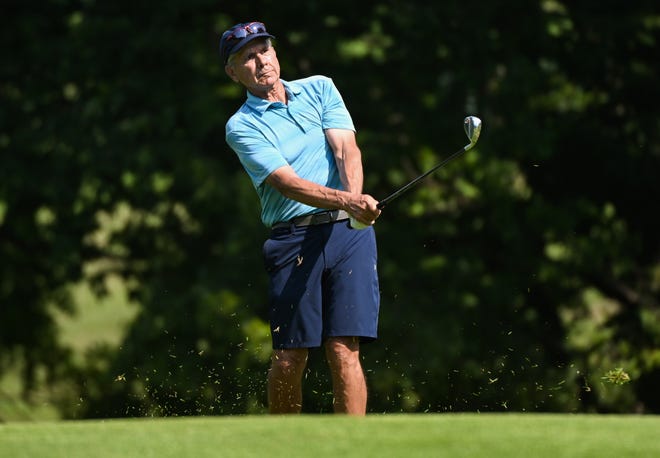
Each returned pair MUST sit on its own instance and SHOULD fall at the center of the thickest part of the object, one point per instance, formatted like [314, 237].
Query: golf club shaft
[406, 187]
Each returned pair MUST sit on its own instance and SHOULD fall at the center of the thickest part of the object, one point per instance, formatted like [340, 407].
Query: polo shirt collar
[261, 105]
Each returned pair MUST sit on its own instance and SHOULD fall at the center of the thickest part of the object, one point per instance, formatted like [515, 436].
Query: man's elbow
[284, 181]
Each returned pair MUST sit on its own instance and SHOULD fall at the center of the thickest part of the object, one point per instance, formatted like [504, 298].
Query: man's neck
[276, 93]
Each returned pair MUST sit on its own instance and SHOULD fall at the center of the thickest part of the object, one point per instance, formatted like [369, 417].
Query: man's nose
[262, 59]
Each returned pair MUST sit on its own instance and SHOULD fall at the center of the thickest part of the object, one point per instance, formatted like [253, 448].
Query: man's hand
[363, 210]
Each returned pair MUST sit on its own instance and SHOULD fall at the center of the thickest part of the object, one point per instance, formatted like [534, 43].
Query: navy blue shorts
[323, 283]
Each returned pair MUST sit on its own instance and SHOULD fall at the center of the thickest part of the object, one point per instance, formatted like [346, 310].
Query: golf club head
[472, 127]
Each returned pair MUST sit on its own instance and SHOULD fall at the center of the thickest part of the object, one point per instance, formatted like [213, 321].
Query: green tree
[514, 278]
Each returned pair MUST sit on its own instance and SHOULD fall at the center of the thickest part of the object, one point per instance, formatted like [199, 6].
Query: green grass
[451, 435]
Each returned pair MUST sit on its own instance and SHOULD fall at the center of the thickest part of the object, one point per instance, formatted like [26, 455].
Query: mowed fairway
[431, 435]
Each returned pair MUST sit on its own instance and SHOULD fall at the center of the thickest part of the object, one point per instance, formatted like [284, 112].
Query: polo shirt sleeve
[257, 155]
[335, 113]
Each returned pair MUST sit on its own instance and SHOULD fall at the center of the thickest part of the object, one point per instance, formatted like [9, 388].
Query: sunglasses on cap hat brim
[239, 35]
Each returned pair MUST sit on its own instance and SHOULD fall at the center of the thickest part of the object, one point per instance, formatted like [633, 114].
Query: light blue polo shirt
[268, 135]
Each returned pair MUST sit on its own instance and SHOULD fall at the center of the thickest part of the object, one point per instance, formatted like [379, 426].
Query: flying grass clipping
[617, 376]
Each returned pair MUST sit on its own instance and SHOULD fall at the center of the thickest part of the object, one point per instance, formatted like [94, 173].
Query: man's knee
[343, 351]
[289, 360]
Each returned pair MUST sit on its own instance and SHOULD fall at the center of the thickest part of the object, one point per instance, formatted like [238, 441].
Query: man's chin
[266, 79]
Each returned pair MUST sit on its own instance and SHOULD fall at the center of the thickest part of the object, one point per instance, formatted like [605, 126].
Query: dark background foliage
[514, 278]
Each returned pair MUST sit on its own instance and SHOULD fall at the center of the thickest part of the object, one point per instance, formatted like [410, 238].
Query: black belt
[328, 216]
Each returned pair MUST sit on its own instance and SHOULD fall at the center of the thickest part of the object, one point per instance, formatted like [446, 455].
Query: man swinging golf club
[296, 141]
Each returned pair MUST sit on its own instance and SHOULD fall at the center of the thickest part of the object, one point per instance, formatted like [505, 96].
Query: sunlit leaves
[567, 96]
[558, 22]
[529, 265]
[373, 43]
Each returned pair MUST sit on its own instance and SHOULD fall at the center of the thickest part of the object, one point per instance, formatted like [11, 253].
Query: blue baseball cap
[239, 35]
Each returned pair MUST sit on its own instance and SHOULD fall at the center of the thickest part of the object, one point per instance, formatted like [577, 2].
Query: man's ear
[229, 70]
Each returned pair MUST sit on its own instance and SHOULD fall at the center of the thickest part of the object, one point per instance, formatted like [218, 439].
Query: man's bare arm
[348, 158]
[290, 185]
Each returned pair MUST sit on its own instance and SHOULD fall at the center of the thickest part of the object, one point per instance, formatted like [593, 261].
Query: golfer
[296, 141]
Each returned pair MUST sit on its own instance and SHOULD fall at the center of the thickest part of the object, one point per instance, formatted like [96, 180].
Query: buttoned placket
[286, 111]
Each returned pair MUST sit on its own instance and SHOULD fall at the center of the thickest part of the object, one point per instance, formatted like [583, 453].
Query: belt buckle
[323, 218]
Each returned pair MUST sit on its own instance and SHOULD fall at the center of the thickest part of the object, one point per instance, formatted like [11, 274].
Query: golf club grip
[404, 188]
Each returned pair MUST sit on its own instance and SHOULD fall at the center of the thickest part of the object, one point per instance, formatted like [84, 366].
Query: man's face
[255, 66]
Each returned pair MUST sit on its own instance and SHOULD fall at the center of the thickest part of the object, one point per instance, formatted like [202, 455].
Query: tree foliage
[514, 278]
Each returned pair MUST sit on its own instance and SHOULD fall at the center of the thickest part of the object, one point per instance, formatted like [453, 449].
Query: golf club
[472, 127]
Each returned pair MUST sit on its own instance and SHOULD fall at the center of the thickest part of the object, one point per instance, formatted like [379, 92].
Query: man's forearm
[348, 158]
[309, 193]
[290, 185]
[349, 164]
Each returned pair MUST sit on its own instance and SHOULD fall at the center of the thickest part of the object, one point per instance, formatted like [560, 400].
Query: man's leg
[348, 383]
[285, 380]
